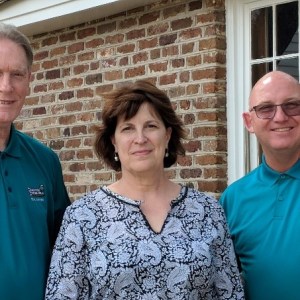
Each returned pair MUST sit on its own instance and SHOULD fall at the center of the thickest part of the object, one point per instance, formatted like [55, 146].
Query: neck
[281, 162]
[141, 187]
[4, 136]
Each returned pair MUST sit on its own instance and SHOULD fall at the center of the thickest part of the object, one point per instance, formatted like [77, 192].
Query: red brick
[167, 79]
[135, 72]
[128, 48]
[67, 37]
[79, 69]
[114, 39]
[50, 41]
[95, 43]
[113, 75]
[148, 43]
[158, 29]
[174, 11]
[148, 18]
[56, 85]
[135, 34]
[127, 23]
[167, 39]
[85, 93]
[86, 56]
[170, 51]
[84, 33]
[75, 48]
[107, 27]
[75, 82]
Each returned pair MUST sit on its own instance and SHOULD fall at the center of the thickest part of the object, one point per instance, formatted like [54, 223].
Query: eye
[152, 125]
[265, 108]
[126, 128]
[18, 74]
[291, 105]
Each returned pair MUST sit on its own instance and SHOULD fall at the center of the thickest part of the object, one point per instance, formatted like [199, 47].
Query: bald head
[268, 86]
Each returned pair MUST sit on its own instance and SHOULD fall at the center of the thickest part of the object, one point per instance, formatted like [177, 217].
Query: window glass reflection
[261, 33]
[258, 70]
[289, 66]
[287, 28]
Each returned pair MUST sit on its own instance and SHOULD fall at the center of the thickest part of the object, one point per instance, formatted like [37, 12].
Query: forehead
[146, 109]
[275, 90]
[12, 55]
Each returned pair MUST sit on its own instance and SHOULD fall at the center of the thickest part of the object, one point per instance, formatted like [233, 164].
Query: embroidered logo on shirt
[37, 194]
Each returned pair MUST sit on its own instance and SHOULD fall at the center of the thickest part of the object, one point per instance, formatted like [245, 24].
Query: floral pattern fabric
[106, 249]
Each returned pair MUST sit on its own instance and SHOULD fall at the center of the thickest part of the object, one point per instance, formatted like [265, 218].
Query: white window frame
[243, 150]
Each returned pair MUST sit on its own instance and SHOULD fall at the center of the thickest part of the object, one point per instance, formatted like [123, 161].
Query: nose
[280, 114]
[140, 137]
[5, 83]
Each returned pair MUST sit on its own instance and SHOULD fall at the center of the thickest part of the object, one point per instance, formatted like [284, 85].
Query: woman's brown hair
[126, 101]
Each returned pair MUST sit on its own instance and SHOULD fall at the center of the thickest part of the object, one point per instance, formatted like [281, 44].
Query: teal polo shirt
[263, 214]
[32, 202]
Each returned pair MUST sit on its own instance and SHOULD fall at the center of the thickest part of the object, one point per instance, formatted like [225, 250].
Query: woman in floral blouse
[144, 236]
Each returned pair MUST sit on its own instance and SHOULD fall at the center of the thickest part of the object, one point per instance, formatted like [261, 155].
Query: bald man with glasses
[263, 207]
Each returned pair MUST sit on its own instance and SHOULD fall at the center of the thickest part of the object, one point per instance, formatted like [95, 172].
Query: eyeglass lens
[268, 111]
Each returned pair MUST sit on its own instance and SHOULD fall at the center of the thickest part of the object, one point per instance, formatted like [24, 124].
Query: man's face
[14, 80]
[282, 132]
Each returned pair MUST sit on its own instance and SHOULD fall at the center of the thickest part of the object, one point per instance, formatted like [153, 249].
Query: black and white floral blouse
[107, 250]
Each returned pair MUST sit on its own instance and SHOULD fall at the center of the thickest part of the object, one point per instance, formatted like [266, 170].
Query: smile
[282, 129]
[141, 152]
[5, 102]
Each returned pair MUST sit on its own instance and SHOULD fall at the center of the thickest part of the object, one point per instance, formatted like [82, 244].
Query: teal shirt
[32, 202]
[263, 213]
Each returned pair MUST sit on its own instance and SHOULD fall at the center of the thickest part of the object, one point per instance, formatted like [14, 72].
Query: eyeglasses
[268, 111]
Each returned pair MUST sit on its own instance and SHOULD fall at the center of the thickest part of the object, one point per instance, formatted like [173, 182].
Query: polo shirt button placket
[279, 200]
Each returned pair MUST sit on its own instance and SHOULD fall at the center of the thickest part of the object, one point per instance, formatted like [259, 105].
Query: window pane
[261, 33]
[289, 66]
[287, 28]
[260, 70]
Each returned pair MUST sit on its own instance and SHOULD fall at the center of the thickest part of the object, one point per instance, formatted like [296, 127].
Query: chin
[143, 167]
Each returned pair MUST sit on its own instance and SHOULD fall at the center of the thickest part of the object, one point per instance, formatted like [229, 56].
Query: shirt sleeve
[227, 277]
[67, 275]
[60, 201]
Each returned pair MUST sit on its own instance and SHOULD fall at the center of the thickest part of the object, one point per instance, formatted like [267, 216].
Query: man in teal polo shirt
[263, 208]
[33, 197]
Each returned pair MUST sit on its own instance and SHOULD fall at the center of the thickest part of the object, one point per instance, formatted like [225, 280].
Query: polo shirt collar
[13, 146]
[271, 176]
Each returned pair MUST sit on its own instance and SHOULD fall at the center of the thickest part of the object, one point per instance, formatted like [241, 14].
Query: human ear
[113, 141]
[168, 134]
[248, 121]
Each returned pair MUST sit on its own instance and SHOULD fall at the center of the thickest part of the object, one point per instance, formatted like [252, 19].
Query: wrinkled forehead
[143, 107]
[274, 90]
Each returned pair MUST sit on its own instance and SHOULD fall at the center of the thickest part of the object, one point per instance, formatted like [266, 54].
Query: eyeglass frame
[282, 105]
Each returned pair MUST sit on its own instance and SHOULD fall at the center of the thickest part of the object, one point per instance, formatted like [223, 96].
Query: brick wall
[177, 44]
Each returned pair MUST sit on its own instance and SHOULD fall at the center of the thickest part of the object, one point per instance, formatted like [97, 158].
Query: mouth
[284, 129]
[141, 152]
[5, 102]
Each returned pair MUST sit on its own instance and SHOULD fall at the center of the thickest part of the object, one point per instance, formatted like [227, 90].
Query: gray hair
[10, 32]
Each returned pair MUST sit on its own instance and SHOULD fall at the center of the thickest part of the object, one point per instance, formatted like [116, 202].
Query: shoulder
[240, 189]
[203, 208]
[90, 201]
[201, 197]
[32, 145]
[27, 140]
[208, 203]
[85, 211]
[242, 183]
